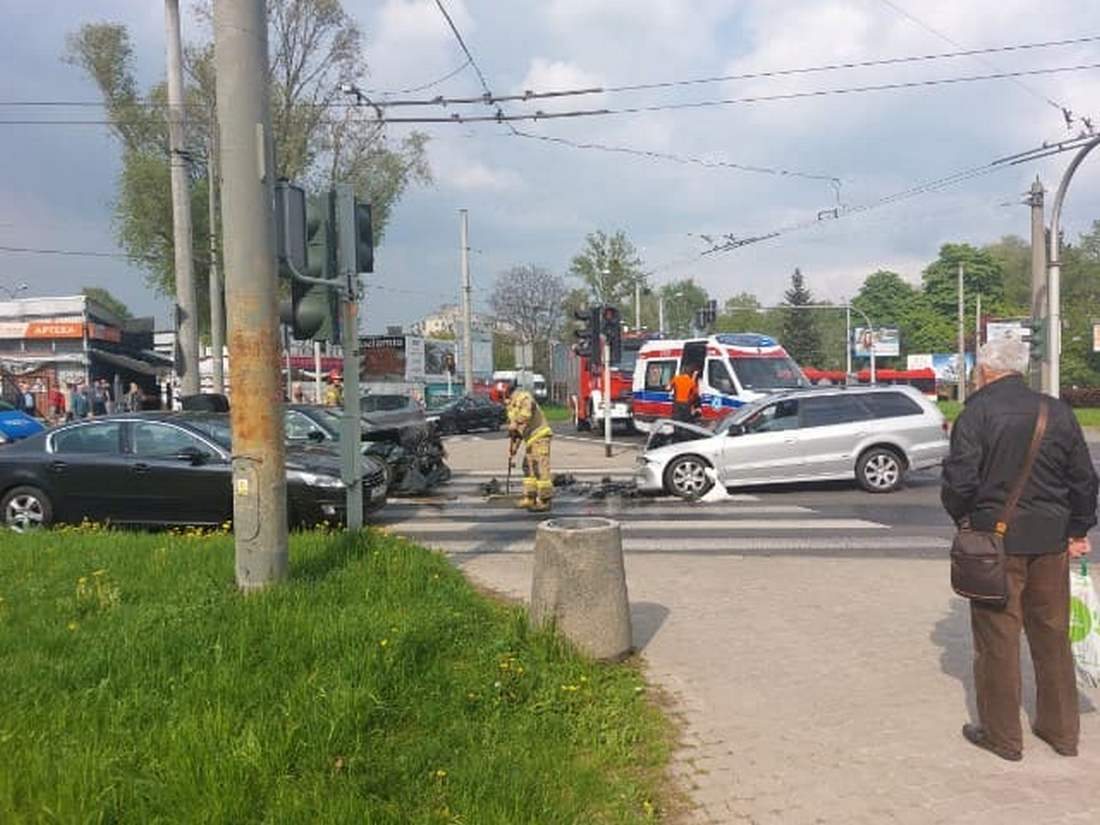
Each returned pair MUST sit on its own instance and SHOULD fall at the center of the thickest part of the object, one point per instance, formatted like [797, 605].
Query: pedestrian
[57, 404]
[27, 403]
[527, 425]
[82, 402]
[108, 397]
[98, 398]
[135, 398]
[1004, 424]
[685, 394]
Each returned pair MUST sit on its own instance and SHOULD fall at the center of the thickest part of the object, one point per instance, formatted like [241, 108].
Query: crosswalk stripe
[651, 527]
[713, 546]
[461, 512]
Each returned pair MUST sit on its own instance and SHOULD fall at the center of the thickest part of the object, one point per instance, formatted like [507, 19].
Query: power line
[423, 86]
[832, 215]
[682, 159]
[462, 44]
[977, 56]
[74, 252]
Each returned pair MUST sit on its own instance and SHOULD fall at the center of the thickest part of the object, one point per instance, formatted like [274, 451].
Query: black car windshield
[742, 414]
[767, 373]
[384, 403]
[216, 428]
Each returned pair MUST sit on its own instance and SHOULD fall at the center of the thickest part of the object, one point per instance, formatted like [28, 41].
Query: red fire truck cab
[586, 399]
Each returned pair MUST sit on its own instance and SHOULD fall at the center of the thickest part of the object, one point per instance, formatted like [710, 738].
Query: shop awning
[127, 362]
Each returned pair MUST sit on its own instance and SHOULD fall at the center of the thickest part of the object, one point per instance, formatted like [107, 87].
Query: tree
[981, 274]
[528, 300]
[681, 299]
[800, 335]
[885, 296]
[1012, 254]
[314, 46]
[609, 268]
[743, 313]
[108, 301]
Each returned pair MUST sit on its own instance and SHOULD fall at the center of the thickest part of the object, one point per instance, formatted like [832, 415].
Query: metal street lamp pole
[1054, 274]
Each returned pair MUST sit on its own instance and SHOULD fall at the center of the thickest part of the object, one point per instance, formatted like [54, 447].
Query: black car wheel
[25, 509]
[880, 470]
[687, 477]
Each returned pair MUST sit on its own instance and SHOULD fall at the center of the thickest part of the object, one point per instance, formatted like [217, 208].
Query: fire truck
[586, 386]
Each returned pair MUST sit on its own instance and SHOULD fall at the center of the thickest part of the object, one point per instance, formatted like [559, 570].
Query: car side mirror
[192, 455]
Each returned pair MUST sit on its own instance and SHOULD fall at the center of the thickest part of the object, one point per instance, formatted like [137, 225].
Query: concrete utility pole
[1040, 378]
[637, 306]
[848, 343]
[247, 163]
[1054, 284]
[318, 394]
[217, 300]
[977, 324]
[661, 314]
[961, 375]
[187, 301]
[467, 337]
[352, 431]
[606, 395]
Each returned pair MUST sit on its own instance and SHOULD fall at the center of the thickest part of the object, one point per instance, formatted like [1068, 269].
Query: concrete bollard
[579, 584]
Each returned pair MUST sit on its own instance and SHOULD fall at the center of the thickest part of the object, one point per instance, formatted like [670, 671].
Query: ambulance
[734, 369]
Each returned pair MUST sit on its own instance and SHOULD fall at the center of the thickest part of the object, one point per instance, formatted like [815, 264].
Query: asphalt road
[824, 519]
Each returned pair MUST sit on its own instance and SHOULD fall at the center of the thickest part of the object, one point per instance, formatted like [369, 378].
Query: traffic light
[587, 344]
[612, 329]
[364, 238]
[315, 309]
[1037, 338]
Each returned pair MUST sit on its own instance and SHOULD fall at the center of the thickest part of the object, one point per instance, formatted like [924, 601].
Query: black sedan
[158, 469]
[468, 413]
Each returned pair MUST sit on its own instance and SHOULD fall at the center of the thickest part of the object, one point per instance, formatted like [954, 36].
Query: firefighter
[527, 424]
[334, 393]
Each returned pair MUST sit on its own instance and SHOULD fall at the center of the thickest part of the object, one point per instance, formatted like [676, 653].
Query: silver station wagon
[872, 434]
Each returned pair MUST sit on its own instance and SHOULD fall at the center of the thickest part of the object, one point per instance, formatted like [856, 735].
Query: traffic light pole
[352, 432]
[606, 395]
[247, 162]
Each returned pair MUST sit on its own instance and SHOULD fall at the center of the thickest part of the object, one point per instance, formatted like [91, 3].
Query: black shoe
[1058, 749]
[976, 736]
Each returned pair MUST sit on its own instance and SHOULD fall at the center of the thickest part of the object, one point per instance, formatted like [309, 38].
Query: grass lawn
[1087, 416]
[375, 686]
[557, 412]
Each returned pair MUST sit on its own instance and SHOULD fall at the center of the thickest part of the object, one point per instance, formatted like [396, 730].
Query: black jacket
[989, 444]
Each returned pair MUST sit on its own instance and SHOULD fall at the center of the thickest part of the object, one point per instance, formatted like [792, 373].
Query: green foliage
[315, 45]
[609, 267]
[981, 274]
[504, 351]
[105, 299]
[1012, 254]
[374, 686]
[742, 313]
[681, 299]
[799, 331]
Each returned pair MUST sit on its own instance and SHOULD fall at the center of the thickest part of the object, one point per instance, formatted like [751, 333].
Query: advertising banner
[887, 342]
[383, 358]
[437, 356]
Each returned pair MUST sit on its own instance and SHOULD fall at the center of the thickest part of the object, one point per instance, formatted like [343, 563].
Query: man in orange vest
[685, 395]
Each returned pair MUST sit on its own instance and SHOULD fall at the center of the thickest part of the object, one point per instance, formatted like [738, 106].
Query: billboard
[944, 364]
[438, 356]
[886, 341]
[382, 358]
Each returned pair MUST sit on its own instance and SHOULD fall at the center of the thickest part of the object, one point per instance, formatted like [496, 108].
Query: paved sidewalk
[829, 691]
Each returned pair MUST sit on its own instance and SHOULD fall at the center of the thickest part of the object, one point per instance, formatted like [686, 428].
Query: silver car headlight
[314, 479]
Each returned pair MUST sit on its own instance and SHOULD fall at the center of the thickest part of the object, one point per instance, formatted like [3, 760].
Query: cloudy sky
[533, 202]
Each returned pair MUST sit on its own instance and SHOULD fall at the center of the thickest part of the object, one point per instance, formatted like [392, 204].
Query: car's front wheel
[880, 470]
[25, 509]
[687, 477]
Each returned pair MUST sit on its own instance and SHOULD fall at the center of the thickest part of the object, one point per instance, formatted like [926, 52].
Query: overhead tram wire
[489, 98]
[501, 117]
[1004, 162]
[1064, 110]
[412, 89]
[682, 159]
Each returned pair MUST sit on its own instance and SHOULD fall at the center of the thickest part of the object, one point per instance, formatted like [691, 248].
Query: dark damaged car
[403, 440]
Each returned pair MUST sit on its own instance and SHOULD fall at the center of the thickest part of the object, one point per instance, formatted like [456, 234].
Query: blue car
[15, 425]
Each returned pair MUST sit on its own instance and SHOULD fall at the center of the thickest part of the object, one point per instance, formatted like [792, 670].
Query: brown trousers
[1038, 603]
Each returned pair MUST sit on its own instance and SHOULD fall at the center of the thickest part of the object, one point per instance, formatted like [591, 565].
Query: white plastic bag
[1084, 625]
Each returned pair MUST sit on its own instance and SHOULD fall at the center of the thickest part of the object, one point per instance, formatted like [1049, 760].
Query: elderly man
[989, 445]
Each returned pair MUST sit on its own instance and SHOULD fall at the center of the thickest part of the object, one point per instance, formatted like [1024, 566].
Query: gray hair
[1007, 354]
